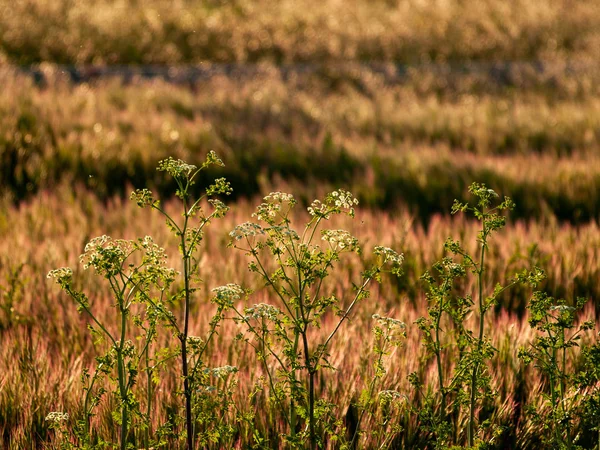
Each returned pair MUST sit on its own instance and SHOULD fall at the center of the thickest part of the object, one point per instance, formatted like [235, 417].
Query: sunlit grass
[45, 342]
[183, 31]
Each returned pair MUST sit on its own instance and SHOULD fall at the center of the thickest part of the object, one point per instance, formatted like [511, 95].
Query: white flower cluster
[390, 395]
[220, 207]
[280, 197]
[245, 230]
[317, 208]
[62, 275]
[226, 295]
[562, 308]
[389, 255]
[272, 206]
[342, 199]
[267, 212]
[176, 167]
[283, 231]
[340, 239]
[143, 197]
[97, 242]
[57, 417]
[335, 202]
[151, 249]
[105, 254]
[389, 322]
[224, 371]
[262, 311]
[212, 158]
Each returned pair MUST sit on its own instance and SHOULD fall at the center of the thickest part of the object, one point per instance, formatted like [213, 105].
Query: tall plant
[144, 291]
[469, 383]
[295, 266]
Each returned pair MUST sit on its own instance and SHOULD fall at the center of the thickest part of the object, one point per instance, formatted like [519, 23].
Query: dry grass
[46, 344]
[412, 143]
[117, 31]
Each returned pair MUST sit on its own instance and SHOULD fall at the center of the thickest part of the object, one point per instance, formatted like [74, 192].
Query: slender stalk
[183, 338]
[122, 378]
[311, 390]
[438, 357]
[471, 427]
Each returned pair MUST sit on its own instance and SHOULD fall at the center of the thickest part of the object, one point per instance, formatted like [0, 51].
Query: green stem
[438, 357]
[184, 357]
[311, 390]
[471, 428]
[123, 378]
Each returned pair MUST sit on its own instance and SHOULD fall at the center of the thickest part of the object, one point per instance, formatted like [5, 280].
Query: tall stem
[311, 391]
[438, 356]
[183, 337]
[122, 378]
[471, 428]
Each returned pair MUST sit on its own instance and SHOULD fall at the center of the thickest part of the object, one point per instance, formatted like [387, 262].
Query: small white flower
[245, 230]
[63, 274]
[262, 311]
[340, 239]
[389, 322]
[57, 417]
[224, 371]
[562, 308]
[226, 295]
[280, 197]
[390, 395]
[389, 255]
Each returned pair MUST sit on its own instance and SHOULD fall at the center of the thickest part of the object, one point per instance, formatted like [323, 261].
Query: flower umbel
[340, 239]
[246, 229]
[226, 295]
[62, 276]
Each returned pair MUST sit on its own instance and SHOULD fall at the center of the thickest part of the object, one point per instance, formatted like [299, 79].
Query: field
[404, 104]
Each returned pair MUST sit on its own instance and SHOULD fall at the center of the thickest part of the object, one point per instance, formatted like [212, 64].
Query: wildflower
[176, 167]
[389, 322]
[562, 308]
[212, 158]
[342, 199]
[224, 371]
[340, 239]
[317, 208]
[220, 186]
[62, 276]
[56, 417]
[220, 207]
[335, 202]
[143, 197]
[246, 229]
[262, 311]
[280, 197]
[226, 295]
[389, 255]
[106, 255]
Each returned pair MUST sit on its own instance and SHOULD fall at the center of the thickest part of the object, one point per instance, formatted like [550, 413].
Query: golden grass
[396, 144]
[45, 343]
[118, 31]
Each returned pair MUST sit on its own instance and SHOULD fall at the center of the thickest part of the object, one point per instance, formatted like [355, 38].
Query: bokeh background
[403, 102]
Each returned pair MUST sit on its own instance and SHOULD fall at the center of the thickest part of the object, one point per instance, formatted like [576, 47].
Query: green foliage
[292, 337]
[558, 332]
[144, 292]
[463, 392]
[285, 333]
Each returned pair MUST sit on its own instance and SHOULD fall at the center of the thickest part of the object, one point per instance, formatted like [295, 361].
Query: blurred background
[406, 102]
[403, 102]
